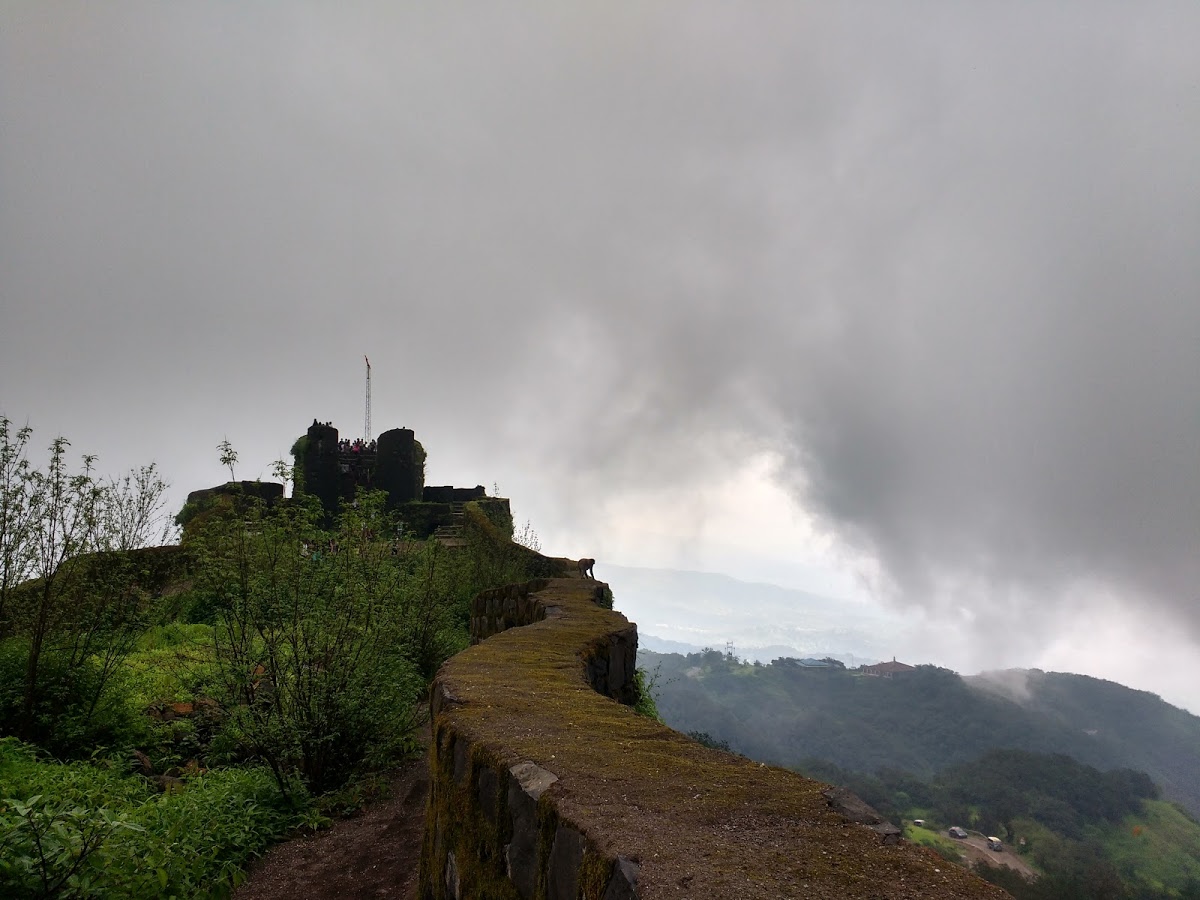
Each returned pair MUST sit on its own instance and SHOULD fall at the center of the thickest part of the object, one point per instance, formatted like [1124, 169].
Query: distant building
[887, 669]
[828, 663]
[332, 469]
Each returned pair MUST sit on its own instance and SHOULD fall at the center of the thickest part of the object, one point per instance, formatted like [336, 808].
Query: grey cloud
[943, 257]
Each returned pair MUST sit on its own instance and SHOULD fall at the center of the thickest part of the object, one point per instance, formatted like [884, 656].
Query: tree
[313, 638]
[284, 471]
[65, 510]
[71, 601]
[229, 457]
[134, 510]
[16, 537]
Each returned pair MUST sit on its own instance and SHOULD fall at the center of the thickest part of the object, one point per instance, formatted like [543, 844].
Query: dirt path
[373, 854]
[975, 849]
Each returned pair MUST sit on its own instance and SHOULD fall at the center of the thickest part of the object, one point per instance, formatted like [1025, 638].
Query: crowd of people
[358, 445]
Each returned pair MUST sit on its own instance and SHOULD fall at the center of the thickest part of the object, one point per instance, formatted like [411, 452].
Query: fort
[332, 469]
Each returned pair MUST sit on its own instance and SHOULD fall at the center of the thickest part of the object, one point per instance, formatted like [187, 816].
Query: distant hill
[1068, 831]
[925, 721]
[1138, 729]
[681, 612]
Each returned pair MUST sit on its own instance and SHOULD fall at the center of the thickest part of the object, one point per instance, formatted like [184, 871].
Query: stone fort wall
[546, 784]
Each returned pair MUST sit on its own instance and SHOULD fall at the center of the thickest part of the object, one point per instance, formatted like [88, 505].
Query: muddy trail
[375, 853]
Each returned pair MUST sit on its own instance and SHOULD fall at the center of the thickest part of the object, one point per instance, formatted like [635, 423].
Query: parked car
[920, 822]
[994, 844]
[956, 832]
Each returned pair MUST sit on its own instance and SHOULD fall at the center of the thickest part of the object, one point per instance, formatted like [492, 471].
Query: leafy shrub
[84, 830]
[173, 662]
[643, 685]
[703, 737]
[76, 709]
[606, 599]
[320, 655]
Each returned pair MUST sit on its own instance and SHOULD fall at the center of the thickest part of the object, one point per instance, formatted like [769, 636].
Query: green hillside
[1086, 833]
[1157, 848]
[925, 721]
[1076, 774]
[1136, 728]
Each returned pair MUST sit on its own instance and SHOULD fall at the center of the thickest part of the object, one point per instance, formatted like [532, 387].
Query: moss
[594, 875]
[497, 512]
[477, 844]
[418, 468]
[193, 508]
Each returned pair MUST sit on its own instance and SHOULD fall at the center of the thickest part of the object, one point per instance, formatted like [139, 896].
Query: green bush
[172, 662]
[84, 830]
[643, 685]
[76, 709]
[322, 640]
[703, 737]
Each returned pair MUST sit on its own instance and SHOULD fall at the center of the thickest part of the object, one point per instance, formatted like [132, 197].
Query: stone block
[566, 856]
[488, 793]
[855, 809]
[527, 783]
[622, 884]
[462, 752]
[597, 672]
[440, 698]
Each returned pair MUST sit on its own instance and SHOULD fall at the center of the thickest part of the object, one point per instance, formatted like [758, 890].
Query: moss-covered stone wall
[545, 786]
[233, 497]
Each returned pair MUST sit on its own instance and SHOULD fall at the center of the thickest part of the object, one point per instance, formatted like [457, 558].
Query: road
[974, 848]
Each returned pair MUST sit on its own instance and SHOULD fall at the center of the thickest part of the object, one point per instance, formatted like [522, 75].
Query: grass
[927, 837]
[1159, 848]
[172, 663]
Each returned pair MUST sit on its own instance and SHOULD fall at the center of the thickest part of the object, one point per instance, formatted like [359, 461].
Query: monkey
[585, 568]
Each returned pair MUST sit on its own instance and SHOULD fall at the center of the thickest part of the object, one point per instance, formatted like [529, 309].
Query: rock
[562, 871]
[853, 808]
[622, 885]
[453, 882]
[461, 761]
[141, 763]
[488, 793]
[168, 784]
[527, 783]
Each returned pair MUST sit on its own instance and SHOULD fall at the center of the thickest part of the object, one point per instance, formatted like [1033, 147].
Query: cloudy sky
[894, 302]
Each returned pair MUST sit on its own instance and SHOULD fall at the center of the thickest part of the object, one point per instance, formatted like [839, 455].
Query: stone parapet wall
[609, 659]
[448, 494]
[543, 787]
[506, 607]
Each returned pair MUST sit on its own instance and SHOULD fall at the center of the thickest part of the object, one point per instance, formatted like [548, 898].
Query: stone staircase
[451, 533]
